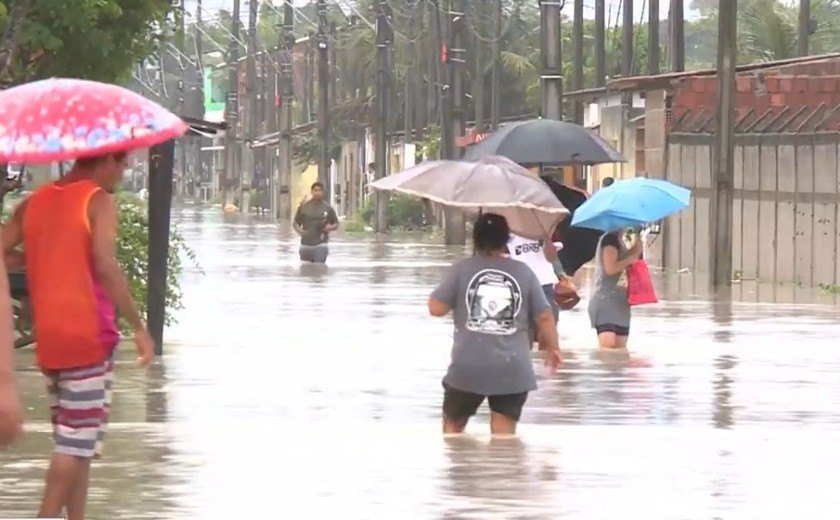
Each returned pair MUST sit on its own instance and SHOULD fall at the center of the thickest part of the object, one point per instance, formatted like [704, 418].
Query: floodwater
[292, 391]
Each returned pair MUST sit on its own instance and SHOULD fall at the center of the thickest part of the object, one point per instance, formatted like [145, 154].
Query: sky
[640, 7]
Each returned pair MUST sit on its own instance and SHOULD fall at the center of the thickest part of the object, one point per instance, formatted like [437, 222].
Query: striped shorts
[80, 402]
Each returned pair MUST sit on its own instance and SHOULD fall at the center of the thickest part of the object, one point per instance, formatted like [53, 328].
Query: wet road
[290, 391]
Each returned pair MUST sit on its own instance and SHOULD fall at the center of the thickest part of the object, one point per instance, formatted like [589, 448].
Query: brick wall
[798, 85]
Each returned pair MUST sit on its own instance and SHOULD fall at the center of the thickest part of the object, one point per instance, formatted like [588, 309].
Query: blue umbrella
[631, 203]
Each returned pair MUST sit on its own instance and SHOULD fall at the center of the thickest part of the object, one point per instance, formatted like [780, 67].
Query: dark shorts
[459, 405]
[315, 254]
[618, 330]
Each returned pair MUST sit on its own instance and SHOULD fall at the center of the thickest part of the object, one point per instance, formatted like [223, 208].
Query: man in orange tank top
[68, 230]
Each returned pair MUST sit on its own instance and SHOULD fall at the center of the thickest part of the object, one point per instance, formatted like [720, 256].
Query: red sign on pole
[471, 138]
[444, 54]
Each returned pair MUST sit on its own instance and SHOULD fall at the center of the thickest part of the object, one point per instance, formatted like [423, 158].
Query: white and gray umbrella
[491, 185]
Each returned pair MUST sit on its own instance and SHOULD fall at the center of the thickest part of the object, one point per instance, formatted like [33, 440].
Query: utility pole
[182, 98]
[478, 79]
[287, 92]
[724, 156]
[232, 110]
[248, 173]
[600, 43]
[324, 100]
[627, 40]
[653, 37]
[577, 72]
[384, 40]
[456, 55]
[552, 60]
[677, 36]
[408, 87]
[495, 82]
[805, 23]
[199, 51]
[260, 154]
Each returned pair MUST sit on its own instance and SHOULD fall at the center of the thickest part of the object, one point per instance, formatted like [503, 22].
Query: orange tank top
[75, 322]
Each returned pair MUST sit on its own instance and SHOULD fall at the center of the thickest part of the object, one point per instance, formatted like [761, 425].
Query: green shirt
[312, 216]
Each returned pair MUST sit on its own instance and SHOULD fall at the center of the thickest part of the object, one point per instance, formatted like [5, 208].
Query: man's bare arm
[438, 308]
[7, 337]
[103, 223]
[547, 331]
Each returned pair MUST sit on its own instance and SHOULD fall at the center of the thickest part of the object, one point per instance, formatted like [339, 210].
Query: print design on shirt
[530, 247]
[493, 302]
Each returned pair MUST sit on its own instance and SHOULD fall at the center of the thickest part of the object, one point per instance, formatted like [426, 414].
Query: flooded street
[291, 391]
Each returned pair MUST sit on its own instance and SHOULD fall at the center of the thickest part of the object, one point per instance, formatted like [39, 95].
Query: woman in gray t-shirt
[494, 299]
[609, 312]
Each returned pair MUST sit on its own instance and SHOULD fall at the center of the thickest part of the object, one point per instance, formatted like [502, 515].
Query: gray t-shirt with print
[494, 301]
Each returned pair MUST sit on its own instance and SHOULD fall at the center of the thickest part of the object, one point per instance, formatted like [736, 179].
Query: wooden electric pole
[495, 82]
[248, 172]
[577, 71]
[600, 43]
[478, 79]
[627, 39]
[653, 37]
[724, 152]
[199, 141]
[456, 55]
[677, 35]
[287, 93]
[182, 100]
[384, 40]
[324, 100]
[804, 27]
[231, 173]
[551, 73]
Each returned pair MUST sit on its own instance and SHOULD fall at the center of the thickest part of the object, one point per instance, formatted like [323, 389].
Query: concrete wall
[349, 178]
[302, 179]
[786, 207]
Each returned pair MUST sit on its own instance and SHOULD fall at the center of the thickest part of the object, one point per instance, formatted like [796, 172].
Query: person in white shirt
[533, 254]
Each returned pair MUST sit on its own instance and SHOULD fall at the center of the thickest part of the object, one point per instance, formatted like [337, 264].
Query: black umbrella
[579, 244]
[546, 142]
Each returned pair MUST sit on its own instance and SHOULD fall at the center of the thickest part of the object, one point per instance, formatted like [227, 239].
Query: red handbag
[640, 290]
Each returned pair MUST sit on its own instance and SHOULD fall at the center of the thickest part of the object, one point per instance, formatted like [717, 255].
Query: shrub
[404, 212]
[132, 253]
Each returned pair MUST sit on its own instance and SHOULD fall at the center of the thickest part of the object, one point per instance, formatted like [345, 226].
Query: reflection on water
[305, 391]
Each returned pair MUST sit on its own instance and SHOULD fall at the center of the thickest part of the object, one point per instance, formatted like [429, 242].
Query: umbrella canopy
[493, 184]
[546, 142]
[579, 244]
[631, 203]
[61, 119]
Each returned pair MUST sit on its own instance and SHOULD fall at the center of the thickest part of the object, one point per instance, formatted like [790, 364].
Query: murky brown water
[290, 391]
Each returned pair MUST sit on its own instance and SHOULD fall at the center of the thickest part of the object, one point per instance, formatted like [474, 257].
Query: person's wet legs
[458, 407]
[621, 342]
[66, 487]
[505, 412]
[502, 425]
[454, 425]
[608, 340]
[612, 336]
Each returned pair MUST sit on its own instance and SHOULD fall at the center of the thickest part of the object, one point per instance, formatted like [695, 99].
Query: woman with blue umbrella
[615, 209]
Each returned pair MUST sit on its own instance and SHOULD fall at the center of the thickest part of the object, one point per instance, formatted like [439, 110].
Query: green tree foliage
[94, 39]
[132, 253]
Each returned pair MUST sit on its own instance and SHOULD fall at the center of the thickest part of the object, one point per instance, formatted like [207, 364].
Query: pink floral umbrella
[61, 119]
